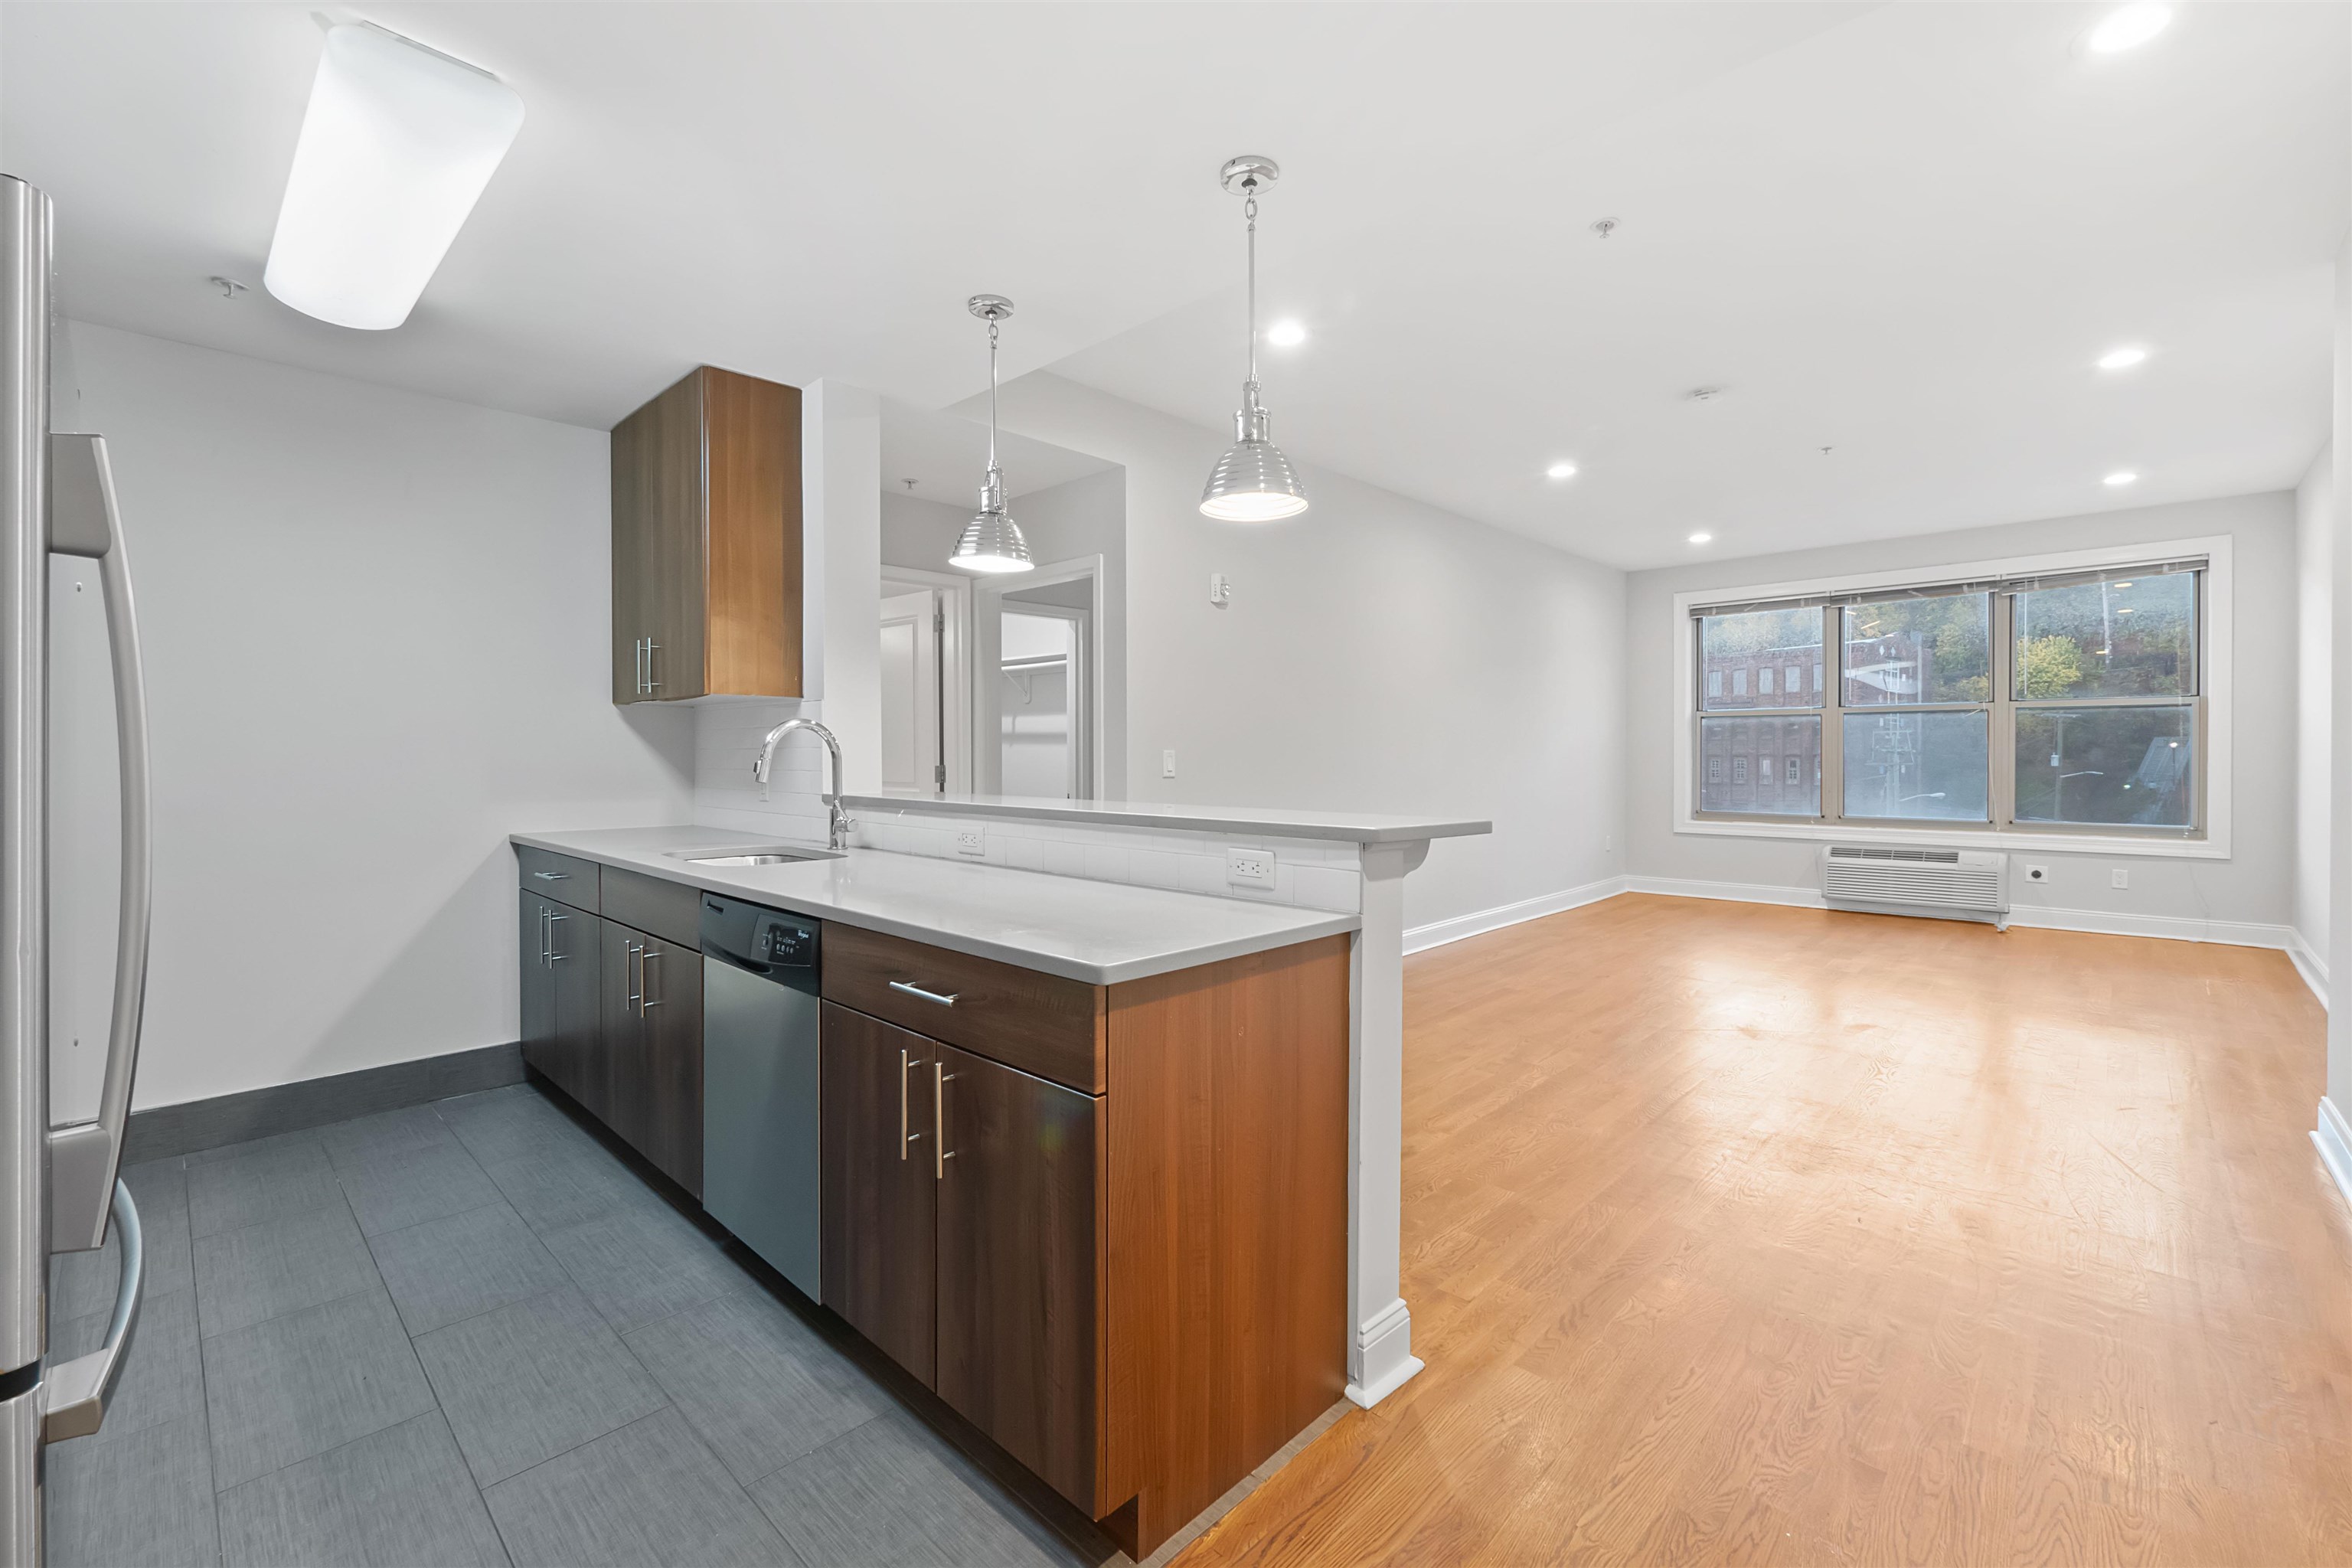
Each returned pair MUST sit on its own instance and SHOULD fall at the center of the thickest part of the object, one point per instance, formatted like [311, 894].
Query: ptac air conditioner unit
[1957, 884]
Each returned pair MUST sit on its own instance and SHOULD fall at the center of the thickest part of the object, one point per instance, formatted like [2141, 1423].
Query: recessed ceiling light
[2121, 359]
[1702, 538]
[1560, 472]
[1287, 333]
[2121, 477]
[2127, 28]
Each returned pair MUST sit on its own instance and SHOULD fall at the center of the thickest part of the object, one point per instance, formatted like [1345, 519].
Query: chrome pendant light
[1253, 482]
[992, 541]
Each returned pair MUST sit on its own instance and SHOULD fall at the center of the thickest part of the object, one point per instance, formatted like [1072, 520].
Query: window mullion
[1833, 800]
[2000, 744]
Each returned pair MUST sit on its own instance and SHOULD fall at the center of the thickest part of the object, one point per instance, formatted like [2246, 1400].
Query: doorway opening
[926, 629]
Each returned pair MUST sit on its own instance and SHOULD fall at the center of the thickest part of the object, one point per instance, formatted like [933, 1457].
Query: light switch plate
[2119, 879]
[971, 841]
[1167, 763]
[1250, 868]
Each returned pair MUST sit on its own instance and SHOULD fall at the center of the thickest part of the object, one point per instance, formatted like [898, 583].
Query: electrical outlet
[2037, 873]
[1608, 842]
[972, 841]
[1253, 868]
[1221, 589]
[1167, 763]
[2119, 879]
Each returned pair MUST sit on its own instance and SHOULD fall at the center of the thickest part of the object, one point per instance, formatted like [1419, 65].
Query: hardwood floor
[1736, 1233]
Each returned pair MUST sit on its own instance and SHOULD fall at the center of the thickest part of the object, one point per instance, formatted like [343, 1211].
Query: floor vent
[1952, 884]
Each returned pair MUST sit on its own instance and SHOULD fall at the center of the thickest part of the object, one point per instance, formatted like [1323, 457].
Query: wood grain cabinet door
[1021, 1266]
[670, 1072]
[612, 1076]
[880, 1186]
[574, 961]
[539, 1026]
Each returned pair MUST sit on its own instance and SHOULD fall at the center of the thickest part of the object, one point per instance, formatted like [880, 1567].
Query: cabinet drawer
[558, 877]
[670, 911]
[1040, 1023]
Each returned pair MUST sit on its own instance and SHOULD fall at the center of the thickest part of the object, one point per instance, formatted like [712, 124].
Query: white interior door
[911, 716]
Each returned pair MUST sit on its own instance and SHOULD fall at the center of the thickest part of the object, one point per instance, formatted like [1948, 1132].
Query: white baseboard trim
[1731, 892]
[1437, 933]
[1384, 1359]
[2310, 965]
[2335, 1140]
[2097, 922]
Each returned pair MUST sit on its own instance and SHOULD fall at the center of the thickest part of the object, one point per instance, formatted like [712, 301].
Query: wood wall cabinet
[707, 541]
[1132, 1268]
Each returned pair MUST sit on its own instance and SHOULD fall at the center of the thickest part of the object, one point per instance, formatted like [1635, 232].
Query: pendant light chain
[991, 395]
[1249, 209]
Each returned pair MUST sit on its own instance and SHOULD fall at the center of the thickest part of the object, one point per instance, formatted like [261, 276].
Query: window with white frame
[2071, 702]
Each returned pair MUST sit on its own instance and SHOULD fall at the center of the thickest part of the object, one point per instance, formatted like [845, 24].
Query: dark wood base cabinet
[612, 1014]
[1107, 1225]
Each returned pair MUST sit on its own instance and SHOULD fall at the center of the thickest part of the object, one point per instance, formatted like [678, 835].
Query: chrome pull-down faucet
[838, 817]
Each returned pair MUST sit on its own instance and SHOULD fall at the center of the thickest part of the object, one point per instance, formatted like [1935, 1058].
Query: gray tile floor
[467, 1333]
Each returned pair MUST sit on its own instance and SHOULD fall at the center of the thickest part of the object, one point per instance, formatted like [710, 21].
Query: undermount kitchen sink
[759, 854]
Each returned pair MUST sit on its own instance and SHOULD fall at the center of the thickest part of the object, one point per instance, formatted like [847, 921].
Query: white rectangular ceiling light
[396, 146]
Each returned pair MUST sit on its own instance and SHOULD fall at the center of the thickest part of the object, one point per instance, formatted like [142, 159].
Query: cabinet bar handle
[904, 1063]
[551, 917]
[636, 986]
[949, 1000]
[644, 981]
[543, 939]
[940, 1152]
[652, 647]
[552, 876]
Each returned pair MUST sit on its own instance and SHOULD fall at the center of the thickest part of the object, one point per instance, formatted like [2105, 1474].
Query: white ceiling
[946, 454]
[1901, 232]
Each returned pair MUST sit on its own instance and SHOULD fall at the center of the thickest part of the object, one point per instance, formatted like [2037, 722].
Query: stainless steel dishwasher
[759, 1164]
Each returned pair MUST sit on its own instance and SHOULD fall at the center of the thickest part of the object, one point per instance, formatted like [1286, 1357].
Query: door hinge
[939, 623]
[939, 774]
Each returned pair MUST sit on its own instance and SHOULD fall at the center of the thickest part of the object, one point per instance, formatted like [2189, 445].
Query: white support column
[1380, 1357]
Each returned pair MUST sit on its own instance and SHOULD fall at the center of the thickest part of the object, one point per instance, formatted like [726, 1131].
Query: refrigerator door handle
[74, 1396]
[83, 1158]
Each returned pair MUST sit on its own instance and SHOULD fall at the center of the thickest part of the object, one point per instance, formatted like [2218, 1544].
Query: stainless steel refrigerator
[58, 1184]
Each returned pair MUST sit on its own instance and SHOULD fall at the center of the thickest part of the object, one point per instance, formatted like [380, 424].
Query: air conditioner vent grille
[1941, 857]
[1930, 882]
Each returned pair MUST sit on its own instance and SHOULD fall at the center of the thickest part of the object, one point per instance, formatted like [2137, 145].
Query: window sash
[2002, 709]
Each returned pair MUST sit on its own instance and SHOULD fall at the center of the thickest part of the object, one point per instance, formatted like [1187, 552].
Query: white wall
[2339, 835]
[1379, 654]
[375, 629]
[2315, 555]
[2255, 884]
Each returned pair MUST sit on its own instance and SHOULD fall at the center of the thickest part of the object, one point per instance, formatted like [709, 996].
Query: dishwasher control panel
[784, 941]
[777, 943]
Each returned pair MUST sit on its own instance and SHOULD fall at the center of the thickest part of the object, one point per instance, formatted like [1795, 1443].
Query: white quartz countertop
[1347, 826]
[1097, 932]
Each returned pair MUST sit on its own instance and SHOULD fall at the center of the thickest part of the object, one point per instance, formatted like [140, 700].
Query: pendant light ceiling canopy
[1253, 482]
[992, 541]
